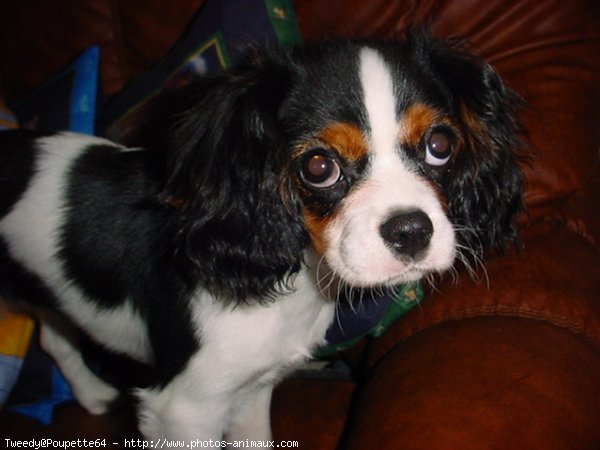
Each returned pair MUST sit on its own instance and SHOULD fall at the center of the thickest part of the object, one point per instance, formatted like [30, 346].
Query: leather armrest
[486, 382]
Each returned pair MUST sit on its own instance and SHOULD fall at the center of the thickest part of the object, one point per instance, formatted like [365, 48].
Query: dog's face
[368, 176]
[385, 159]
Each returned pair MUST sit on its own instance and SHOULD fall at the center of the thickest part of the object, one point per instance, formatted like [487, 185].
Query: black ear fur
[485, 184]
[239, 219]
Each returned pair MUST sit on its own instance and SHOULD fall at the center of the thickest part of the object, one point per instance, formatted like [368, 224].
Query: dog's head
[384, 158]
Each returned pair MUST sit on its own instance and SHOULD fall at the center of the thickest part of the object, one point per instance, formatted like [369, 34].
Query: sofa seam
[576, 327]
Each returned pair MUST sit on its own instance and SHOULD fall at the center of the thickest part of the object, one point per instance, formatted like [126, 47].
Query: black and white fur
[203, 260]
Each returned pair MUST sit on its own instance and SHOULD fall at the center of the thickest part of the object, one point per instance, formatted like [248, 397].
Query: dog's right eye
[320, 170]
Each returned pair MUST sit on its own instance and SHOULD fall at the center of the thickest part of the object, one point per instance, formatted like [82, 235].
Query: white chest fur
[226, 386]
[261, 338]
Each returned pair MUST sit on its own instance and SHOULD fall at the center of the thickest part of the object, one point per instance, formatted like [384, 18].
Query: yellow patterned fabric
[15, 336]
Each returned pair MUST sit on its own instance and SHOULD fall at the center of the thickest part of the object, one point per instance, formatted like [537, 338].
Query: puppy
[219, 261]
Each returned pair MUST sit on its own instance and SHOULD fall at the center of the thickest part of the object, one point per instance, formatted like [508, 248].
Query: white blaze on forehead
[378, 91]
[356, 250]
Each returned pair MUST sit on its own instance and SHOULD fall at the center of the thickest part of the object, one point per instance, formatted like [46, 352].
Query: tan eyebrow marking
[347, 139]
[415, 121]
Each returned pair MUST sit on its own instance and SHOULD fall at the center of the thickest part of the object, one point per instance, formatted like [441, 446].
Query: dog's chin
[385, 269]
[385, 272]
[411, 273]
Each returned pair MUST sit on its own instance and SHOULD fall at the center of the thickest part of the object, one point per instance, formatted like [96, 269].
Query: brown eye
[320, 170]
[438, 149]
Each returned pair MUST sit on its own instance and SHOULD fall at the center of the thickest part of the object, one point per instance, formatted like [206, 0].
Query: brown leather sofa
[508, 362]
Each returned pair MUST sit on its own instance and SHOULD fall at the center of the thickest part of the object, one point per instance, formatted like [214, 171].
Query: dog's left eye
[438, 148]
[320, 170]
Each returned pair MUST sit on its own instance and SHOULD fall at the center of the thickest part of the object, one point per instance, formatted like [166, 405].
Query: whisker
[470, 254]
[329, 277]
[431, 282]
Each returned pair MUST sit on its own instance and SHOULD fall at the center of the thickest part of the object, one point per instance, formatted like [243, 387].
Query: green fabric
[283, 19]
[405, 298]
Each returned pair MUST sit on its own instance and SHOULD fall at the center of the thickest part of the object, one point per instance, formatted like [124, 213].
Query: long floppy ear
[239, 220]
[484, 188]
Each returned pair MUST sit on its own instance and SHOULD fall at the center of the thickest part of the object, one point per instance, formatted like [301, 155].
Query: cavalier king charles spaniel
[219, 260]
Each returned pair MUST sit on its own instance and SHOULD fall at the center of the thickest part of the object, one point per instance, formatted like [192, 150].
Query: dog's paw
[96, 397]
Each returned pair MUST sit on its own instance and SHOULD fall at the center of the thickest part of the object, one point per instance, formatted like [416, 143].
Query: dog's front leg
[189, 410]
[60, 340]
[250, 415]
[183, 410]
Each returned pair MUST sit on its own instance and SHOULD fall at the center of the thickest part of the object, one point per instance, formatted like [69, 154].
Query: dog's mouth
[387, 269]
[347, 284]
[354, 296]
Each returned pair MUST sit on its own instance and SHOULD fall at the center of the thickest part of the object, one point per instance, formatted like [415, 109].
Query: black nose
[407, 232]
